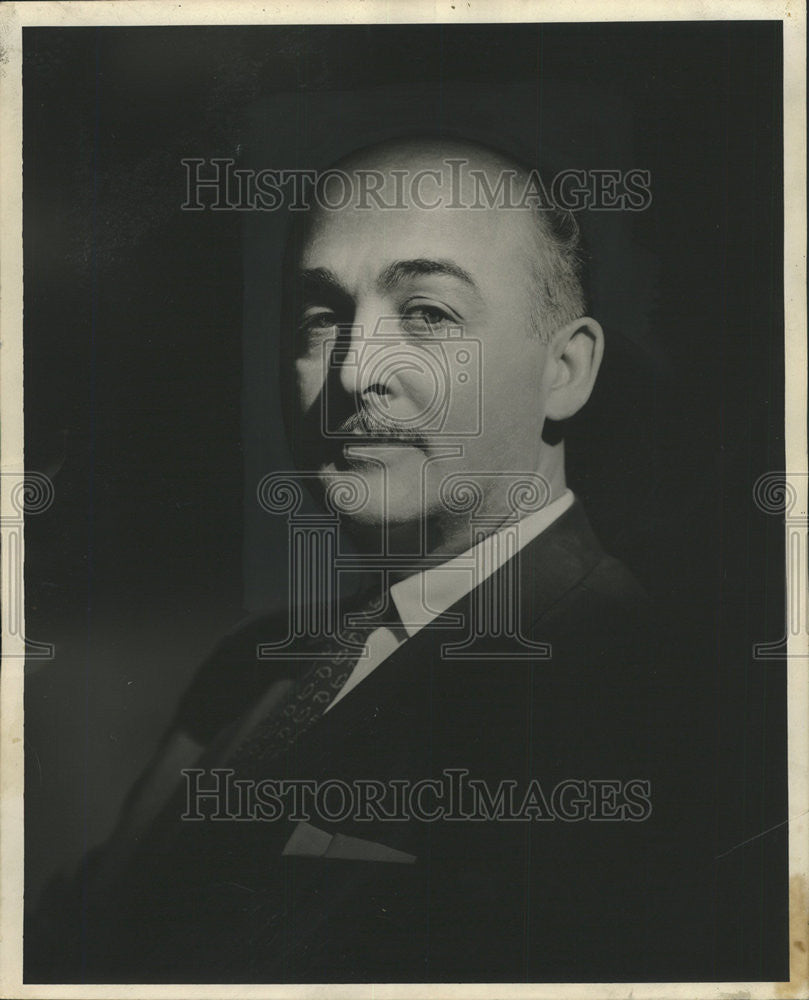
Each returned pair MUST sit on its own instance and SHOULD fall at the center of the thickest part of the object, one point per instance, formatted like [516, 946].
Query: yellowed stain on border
[798, 985]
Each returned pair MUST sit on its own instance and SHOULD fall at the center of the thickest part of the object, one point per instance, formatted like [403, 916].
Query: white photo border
[13, 18]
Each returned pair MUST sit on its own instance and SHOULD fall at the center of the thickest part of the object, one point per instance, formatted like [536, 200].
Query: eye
[422, 317]
[315, 328]
[318, 321]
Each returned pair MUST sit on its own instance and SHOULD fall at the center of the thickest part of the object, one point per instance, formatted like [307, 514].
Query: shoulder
[608, 601]
[583, 600]
[570, 582]
[611, 585]
[232, 676]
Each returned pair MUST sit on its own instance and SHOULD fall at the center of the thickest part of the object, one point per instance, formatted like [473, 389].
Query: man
[431, 355]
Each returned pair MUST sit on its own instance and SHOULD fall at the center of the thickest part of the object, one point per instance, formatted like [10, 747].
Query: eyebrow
[320, 282]
[421, 267]
[321, 279]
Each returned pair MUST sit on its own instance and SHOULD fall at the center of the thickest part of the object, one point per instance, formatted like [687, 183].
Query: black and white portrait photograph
[404, 500]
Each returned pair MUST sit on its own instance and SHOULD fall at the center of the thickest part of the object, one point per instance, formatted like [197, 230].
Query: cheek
[421, 386]
[308, 376]
[513, 386]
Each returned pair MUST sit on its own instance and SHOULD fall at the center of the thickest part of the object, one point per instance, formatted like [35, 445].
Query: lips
[365, 439]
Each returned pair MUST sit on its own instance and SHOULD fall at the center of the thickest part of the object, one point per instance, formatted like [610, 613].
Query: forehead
[358, 244]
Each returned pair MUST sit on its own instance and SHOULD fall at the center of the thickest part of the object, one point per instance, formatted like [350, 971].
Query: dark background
[142, 382]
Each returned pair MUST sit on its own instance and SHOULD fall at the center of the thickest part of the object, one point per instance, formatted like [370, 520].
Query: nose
[360, 372]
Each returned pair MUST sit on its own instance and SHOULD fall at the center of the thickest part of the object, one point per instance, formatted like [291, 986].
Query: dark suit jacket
[486, 900]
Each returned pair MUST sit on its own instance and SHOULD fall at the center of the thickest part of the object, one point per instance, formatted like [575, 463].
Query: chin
[400, 521]
[401, 510]
[392, 489]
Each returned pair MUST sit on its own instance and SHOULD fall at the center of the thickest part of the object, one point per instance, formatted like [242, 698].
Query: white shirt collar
[422, 597]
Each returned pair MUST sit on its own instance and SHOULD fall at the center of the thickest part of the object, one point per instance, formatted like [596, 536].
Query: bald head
[436, 175]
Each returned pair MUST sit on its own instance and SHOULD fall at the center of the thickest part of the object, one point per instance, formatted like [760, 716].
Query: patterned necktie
[317, 686]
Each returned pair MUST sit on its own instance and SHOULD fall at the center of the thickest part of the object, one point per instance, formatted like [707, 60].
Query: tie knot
[370, 609]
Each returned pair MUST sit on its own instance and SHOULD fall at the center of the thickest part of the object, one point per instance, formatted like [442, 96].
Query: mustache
[363, 424]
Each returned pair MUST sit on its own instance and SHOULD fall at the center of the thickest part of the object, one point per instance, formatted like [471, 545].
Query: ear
[575, 354]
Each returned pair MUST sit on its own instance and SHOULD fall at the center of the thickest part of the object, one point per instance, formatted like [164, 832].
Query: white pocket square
[310, 842]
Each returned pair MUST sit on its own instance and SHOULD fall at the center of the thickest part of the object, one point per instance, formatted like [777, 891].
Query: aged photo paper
[404, 499]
